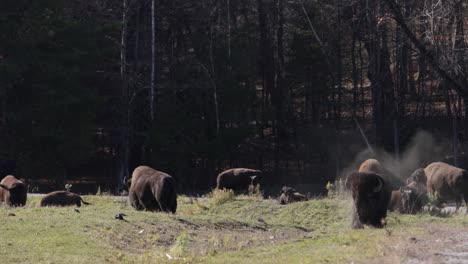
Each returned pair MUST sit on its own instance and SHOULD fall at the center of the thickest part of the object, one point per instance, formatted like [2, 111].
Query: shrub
[254, 191]
[336, 189]
[219, 197]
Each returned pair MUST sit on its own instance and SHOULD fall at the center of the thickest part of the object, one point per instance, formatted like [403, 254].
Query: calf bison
[62, 198]
[374, 166]
[371, 196]
[289, 195]
[152, 190]
[238, 179]
[407, 200]
[448, 181]
[13, 191]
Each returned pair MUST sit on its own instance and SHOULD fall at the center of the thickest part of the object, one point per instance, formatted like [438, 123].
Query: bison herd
[374, 190]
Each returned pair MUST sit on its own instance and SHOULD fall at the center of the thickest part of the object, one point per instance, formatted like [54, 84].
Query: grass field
[222, 228]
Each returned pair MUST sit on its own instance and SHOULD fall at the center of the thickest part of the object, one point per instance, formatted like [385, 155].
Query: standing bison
[371, 196]
[62, 198]
[289, 195]
[13, 191]
[449, 182]
[238, 179]
[374, 166]
[152, 190]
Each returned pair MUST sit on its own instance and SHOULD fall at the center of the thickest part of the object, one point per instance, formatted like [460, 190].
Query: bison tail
[85, 202]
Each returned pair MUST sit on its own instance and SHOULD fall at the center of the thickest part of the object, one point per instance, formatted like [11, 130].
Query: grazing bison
[448, 181]
[374, 166]
[62, 198]
[152, 190]
[13, 191]
[289, 195]
[238, 179]
[371, 196]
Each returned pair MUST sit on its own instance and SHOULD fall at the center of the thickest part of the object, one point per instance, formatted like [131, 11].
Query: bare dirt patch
[436, 243]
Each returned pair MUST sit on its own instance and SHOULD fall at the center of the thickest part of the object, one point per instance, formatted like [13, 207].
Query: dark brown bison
[62, 198]
[449, 182]
[374, 166]
[289, 195]
[371, 196]
[13, 191]
[414, 199]
[407, 200]
[152, 190]
[238, 179]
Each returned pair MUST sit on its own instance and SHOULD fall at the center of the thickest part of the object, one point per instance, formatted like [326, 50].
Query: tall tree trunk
[229, 31]
[354, 74]
[124, 129]
[213, 79]
[375, 40]
[153, 58]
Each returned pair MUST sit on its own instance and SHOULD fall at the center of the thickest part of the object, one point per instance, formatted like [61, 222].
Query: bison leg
[458, 202]
[465, 197]
[356, 224]
[135, 202]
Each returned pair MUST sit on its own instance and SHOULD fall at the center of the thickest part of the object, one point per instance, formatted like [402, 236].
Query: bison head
[255, 180]
[286, 194]
[17, 193]
[418, 176]
[370, 195]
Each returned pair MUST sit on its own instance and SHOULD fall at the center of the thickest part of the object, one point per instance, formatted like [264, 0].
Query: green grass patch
[222, 228]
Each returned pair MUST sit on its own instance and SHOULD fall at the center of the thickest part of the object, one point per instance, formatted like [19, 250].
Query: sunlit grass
[222, 228]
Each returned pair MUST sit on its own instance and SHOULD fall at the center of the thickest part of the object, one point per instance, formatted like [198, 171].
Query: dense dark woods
[91, 89]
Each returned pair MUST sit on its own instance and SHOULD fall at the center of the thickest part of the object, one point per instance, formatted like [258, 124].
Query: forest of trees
[92, 88]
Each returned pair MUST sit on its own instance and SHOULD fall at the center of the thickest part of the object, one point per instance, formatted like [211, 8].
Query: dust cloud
[423, 149]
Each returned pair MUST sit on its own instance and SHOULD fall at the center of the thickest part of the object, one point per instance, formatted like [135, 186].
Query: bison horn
[379, 187]
[346, 182]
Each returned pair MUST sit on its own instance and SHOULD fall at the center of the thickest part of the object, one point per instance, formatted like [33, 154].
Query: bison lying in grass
[238, 179]
[289, 195]
[13, 191]
[62, 198]
[152, 190]
[371, 196]
[447, 181]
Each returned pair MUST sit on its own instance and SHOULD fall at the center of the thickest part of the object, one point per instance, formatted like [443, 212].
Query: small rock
[11, 214]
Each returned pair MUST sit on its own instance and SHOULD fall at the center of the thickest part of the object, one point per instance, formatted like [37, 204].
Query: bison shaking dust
[289, 195]
[13, 191]
[238, 179]
[448, 181]
[374, 166]
[152, 190]
[371, 196]
[62, 198]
